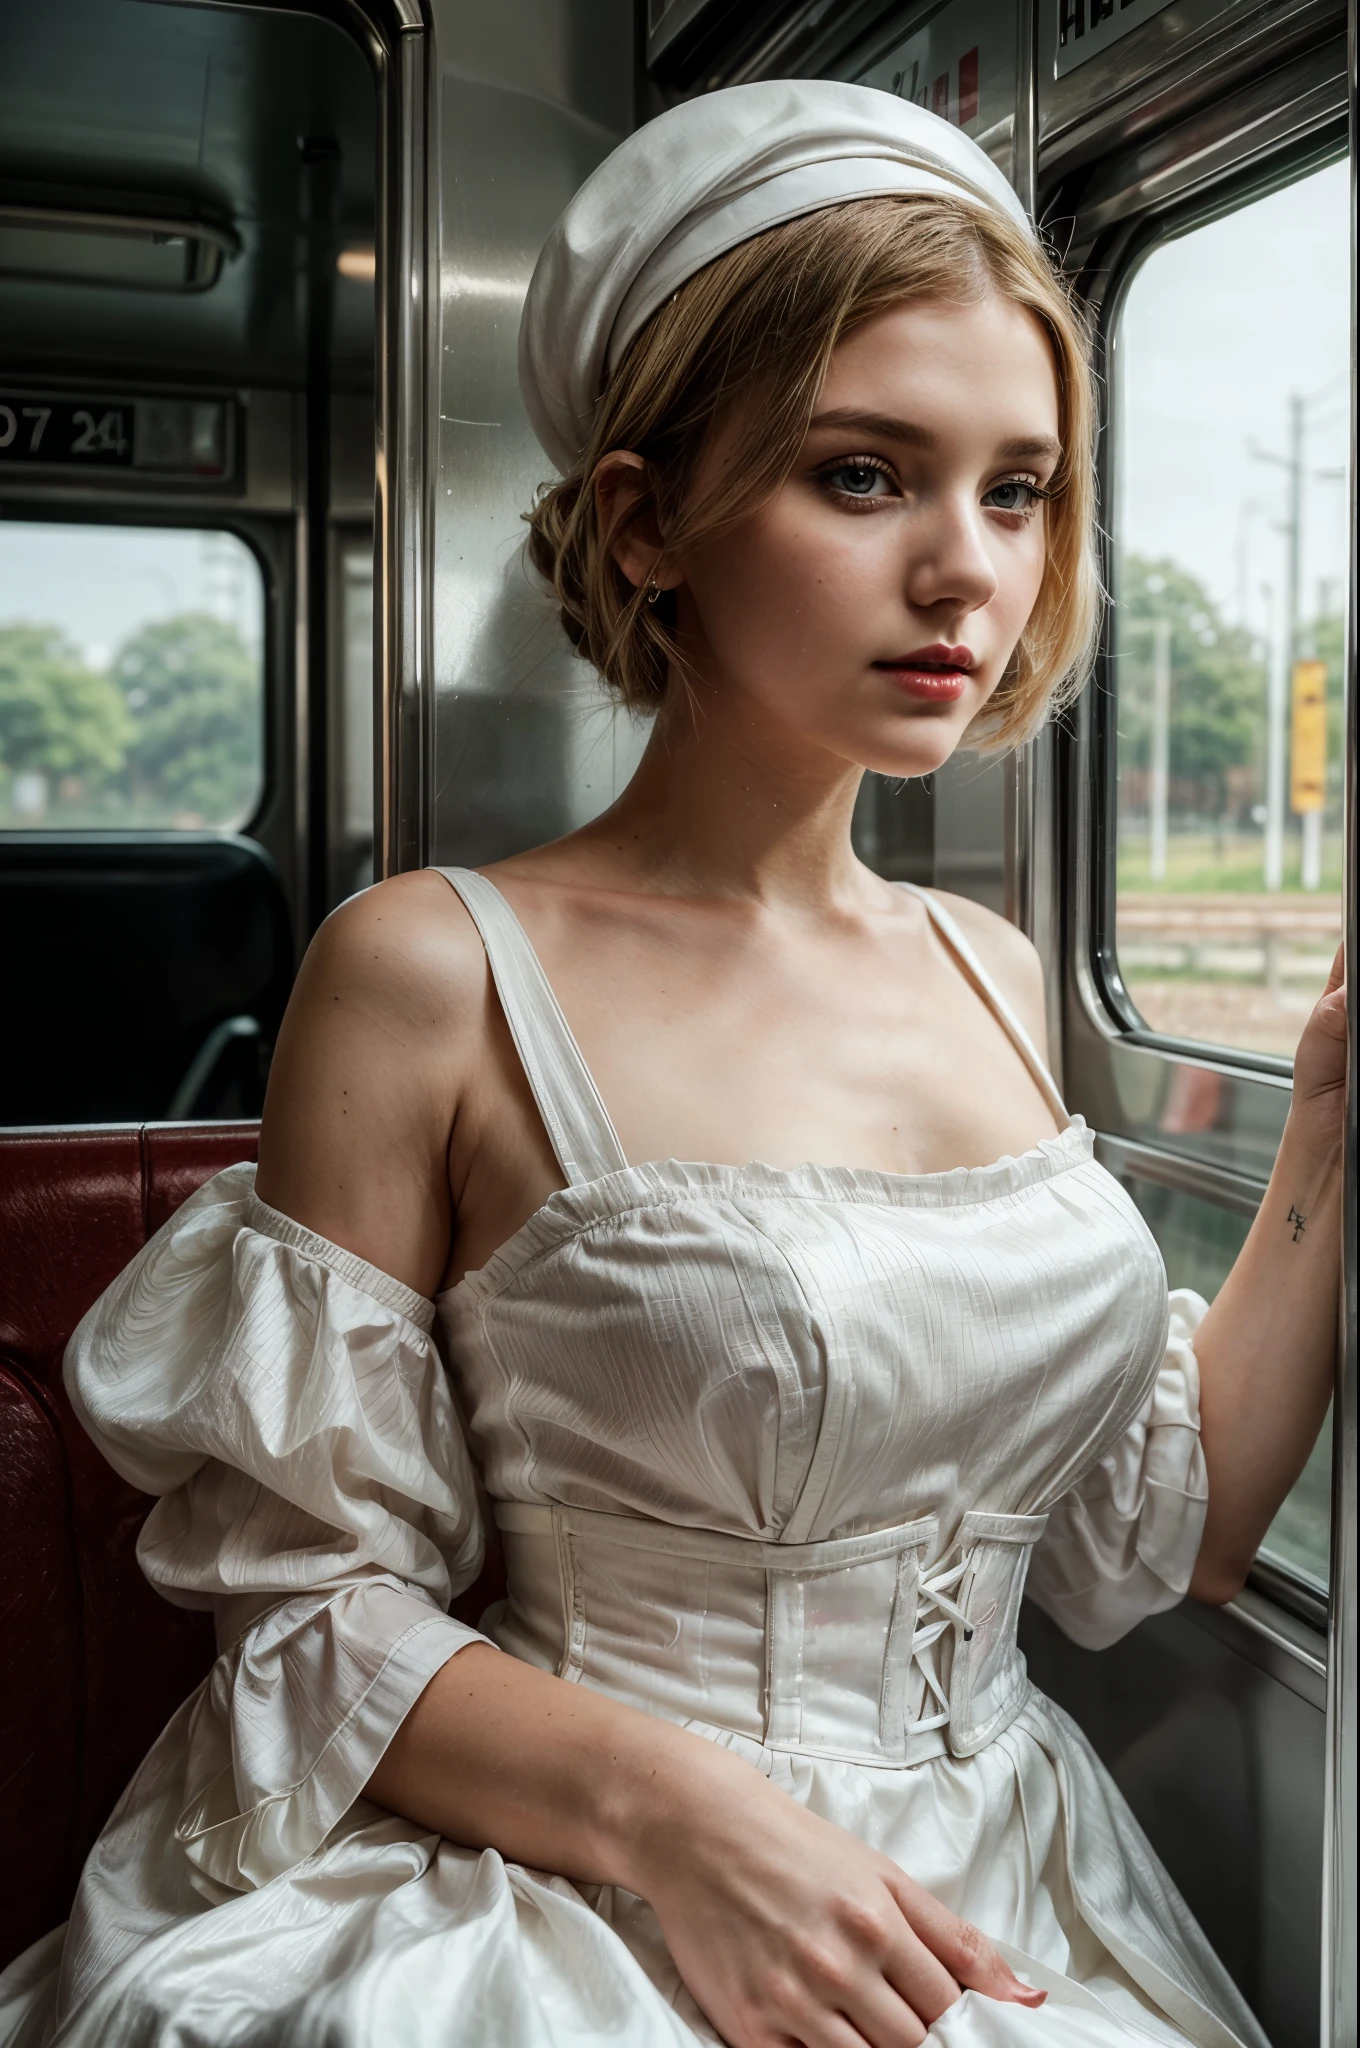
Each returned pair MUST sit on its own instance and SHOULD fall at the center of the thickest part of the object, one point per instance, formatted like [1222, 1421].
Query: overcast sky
[100, 583]
[1218, 329]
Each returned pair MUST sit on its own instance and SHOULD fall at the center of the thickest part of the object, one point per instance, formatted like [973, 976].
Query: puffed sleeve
[1122, 1543]
[285, 1401]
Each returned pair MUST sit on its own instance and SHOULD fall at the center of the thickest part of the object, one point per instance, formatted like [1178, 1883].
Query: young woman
[749, 1754]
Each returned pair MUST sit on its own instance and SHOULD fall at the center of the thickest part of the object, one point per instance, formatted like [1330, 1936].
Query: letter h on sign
[1076, 16]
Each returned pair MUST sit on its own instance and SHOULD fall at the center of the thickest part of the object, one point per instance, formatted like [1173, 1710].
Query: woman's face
[872, 605]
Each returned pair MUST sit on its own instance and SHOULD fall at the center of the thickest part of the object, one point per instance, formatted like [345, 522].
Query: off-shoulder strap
[573, 1112]
[963, 952]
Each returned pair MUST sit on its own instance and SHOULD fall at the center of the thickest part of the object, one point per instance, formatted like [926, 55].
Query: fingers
[962, 1949]
[1330, 1012]
[864, 1968]
[843, 1980]
[919, 1977]
[1338, 973]
[901, 2029]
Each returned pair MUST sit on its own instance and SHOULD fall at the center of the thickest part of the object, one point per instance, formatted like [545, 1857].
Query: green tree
[1218, 683]
[57, 717]
[195, 694]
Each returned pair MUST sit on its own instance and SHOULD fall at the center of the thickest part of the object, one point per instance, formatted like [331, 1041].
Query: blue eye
[1016, 494]
[856, 479]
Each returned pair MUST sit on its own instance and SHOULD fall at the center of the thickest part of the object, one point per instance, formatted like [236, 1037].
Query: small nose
[949, 566]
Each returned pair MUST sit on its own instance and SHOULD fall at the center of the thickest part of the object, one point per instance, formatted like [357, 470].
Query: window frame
[1111, 1055]
[1136, 244]
[271, 561]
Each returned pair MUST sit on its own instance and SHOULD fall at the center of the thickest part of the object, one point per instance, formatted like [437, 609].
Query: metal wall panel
[1179, 57]
[1219, 1752]
[526, 98]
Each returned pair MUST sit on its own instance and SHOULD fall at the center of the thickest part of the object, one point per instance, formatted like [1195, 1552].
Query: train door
[187, 456]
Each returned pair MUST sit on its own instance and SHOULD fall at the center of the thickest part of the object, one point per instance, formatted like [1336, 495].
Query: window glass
[1231, 357]
[1199, 1242]
[352, 854]
[131, 678]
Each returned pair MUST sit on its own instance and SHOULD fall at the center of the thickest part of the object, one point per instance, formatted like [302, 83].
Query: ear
[626, 509]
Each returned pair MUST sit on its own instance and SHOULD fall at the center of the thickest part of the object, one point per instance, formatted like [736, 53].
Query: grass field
[1206, 863]
[1232, 964]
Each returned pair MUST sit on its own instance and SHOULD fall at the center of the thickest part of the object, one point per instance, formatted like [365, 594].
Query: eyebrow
[884, 427]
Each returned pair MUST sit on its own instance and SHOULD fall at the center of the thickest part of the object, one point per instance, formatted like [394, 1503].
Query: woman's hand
[789, 1930]
[1320, 1062]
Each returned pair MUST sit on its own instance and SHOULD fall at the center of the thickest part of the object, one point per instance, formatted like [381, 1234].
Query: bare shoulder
[383, 1023]
[1008, 956]
[405, 946]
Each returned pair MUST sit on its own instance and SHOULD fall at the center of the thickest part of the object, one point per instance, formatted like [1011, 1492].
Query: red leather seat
[94, 1661]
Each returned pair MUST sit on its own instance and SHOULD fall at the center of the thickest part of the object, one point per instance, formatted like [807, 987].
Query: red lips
[937, 674]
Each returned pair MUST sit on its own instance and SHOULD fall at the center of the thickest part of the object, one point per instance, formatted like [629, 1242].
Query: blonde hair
[759, 325]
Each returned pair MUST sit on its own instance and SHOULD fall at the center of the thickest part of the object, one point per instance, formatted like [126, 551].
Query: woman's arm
[1267, 1347]
[374, 1052]
[783, 1926]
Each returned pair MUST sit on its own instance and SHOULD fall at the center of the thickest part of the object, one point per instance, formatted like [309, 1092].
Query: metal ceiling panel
[196, 114]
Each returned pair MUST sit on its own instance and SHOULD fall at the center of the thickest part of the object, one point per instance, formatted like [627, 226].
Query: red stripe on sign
[968, 87]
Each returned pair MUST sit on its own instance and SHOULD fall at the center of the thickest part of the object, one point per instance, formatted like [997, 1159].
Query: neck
[726, 802]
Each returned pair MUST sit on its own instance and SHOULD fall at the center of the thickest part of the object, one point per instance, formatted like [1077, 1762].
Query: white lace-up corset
[853, 1647]
[769, 1450]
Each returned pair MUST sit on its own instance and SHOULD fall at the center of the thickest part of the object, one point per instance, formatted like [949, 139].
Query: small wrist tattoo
[1300, 1223]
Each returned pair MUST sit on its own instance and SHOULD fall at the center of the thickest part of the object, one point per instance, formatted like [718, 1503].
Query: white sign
[961, 65]
[1086, 27]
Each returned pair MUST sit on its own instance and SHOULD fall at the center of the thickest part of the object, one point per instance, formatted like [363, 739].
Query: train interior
[266, 635]
[188, 494]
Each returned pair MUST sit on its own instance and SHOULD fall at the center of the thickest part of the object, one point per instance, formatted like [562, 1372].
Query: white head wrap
[694, 183]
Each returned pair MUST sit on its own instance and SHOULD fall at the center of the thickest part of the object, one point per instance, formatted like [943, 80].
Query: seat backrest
[123, 957]
[95, 1662]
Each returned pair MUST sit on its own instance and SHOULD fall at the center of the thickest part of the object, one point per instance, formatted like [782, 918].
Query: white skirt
[388, 1937]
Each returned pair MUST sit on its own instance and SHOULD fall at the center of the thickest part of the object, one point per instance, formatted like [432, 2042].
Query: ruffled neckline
[663, 1183]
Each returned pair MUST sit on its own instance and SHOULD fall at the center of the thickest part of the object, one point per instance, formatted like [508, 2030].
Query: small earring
[653, 590]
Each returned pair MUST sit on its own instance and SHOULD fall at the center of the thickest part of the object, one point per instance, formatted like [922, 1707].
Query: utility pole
[1286, 652]
[1277, 697]
[1284, 640]
[1159, 751]
[1293, 527]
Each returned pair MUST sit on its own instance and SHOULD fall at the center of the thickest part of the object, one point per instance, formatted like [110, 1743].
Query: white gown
[770, 1452]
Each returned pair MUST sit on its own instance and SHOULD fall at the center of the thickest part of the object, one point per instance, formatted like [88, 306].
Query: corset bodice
[757, 1368]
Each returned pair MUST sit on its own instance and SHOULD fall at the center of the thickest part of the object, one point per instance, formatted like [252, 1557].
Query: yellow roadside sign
[1308, 741]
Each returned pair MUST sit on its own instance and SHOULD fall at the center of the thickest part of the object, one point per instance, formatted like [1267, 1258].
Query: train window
[1231, 356]
[1199, 1241]
[131, 678]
